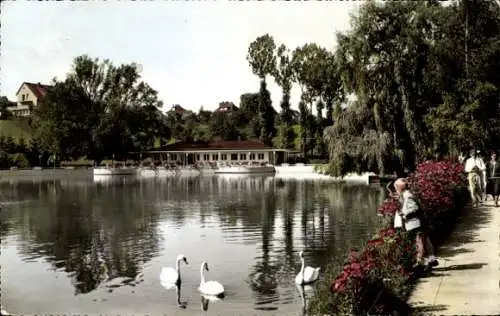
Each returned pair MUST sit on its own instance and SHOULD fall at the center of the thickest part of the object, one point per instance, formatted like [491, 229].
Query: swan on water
[210, 288]
[307, 274]
[170, 276]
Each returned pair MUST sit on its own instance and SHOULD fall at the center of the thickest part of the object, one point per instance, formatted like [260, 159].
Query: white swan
[169, 277]
[306, 275]
[210, 288]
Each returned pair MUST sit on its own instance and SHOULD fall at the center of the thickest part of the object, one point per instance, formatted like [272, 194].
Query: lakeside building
[220, 153]
[28, 96]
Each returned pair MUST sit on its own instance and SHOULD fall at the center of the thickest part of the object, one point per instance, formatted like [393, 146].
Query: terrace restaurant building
[219, 152]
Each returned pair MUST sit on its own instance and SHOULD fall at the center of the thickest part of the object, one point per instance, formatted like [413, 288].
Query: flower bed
[378, 280]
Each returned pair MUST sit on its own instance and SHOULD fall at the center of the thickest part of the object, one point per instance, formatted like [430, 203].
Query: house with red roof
[28, 96]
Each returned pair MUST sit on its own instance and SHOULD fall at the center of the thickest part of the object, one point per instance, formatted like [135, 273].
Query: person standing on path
[493, 173]
[475, 168]
[409, 217]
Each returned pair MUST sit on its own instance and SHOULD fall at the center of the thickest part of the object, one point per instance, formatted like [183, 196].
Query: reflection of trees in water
[94, 235]
[115, 222]
[263, 274]
[332, 219]
[349, 218]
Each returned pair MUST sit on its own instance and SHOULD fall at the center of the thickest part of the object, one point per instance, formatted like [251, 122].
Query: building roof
[215, 145]
[177, 108]
[226, 107]
[37, 88]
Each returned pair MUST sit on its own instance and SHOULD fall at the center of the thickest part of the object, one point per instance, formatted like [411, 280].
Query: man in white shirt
[476, 174]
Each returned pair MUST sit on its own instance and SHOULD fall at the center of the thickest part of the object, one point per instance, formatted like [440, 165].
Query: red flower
[435, 185]
[387, 232]
[376, 242]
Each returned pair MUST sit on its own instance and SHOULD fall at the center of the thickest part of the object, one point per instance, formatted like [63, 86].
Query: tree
[63, 121]
[310, 64]
[262, 59]
[99, 110]
[417, 97]
[4, 104]
[224, 126]
[283, 75]
[468, 113]
[382, 61]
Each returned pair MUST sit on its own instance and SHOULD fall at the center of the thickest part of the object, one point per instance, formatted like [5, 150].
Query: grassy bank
[16, 128]
[379, 278]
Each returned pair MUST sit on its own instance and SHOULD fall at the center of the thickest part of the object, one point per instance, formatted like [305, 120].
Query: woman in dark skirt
[493, 174]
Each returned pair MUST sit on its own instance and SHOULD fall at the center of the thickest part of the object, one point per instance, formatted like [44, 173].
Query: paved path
[467, 280]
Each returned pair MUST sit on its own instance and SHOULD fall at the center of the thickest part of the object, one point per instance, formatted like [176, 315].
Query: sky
[192, 53]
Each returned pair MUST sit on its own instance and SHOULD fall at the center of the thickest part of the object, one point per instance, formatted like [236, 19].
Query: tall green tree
[309, 64]
[262, 59]
[468, 114]
[283, 75]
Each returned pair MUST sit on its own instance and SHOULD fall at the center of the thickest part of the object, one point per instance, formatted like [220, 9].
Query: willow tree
[382, 61]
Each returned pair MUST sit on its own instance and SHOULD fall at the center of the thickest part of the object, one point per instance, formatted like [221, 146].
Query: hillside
[17, 128]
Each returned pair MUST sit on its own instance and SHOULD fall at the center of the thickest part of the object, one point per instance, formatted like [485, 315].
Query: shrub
[19, 160]
[378, 279]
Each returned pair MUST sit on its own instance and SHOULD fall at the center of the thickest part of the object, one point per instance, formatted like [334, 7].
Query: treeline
[420, 87]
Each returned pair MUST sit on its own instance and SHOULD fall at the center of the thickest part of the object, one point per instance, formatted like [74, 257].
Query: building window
[243, 156]
[215, 157]
[252, 156]
[234, 156]
[223, 157]
[198, 157]
[206, 157]
[173, 157]
[260, 156]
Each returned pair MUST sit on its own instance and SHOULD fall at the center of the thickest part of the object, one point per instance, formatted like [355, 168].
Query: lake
[71, 244]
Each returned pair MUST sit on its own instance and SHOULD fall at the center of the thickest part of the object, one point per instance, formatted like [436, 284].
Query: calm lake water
[74, 245]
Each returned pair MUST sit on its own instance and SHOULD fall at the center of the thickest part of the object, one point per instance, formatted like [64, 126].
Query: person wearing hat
[476, 172]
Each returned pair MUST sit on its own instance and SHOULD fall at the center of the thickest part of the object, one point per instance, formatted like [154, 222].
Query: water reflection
[86, 237]
[207, 299]
[305, 292]
[116, 233]
[177, 287]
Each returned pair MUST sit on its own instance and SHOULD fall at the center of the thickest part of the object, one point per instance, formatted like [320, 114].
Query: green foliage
[19, 160]
[99, 110]
[416, 97]
[4, 104]
[266, 114]
[261, 56]
[224, 126]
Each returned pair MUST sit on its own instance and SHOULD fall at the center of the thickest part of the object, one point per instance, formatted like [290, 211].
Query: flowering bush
[378, 277]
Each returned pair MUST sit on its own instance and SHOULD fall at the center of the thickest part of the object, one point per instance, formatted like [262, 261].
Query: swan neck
[178, 265]
[201, 274]
[302, 268]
